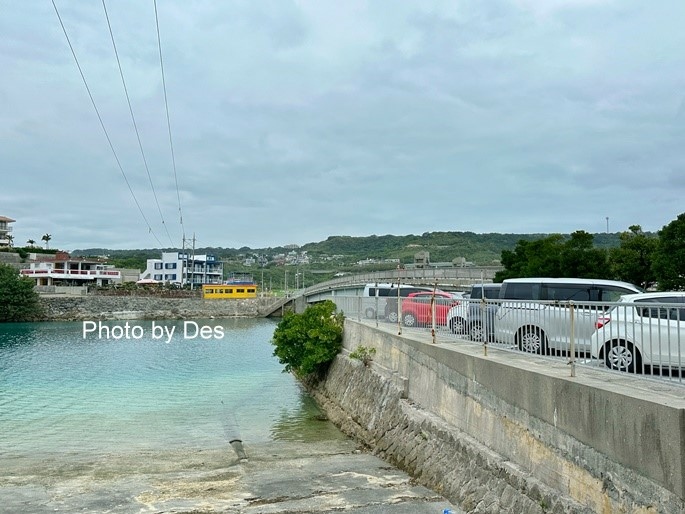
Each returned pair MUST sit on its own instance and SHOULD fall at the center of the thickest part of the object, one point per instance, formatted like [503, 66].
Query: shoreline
[113, 308]
[277, 477]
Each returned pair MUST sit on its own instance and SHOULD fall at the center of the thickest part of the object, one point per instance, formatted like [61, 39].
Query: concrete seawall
[508, 432]
[78, 308]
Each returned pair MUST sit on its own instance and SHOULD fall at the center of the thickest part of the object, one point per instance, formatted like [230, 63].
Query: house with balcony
[5, 231]
[182, 269]
[61, 269]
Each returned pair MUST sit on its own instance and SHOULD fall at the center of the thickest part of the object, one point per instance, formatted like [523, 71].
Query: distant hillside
[480, 249]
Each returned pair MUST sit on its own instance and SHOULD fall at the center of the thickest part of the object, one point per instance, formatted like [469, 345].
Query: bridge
[449, 279]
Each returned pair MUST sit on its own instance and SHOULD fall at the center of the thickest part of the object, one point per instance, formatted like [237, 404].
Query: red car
[417, 308]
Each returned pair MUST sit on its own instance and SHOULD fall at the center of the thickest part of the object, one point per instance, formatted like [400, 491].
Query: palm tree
[10, 240]
[46, 238]
[30, 242]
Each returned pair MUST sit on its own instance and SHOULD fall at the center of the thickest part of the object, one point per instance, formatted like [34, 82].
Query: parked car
[534, 313]
[475, 317]
[417, 308]
[646, 329]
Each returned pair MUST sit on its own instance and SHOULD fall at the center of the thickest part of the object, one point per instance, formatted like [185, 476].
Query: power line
[135, 125]
[92, 100]
[166, 104]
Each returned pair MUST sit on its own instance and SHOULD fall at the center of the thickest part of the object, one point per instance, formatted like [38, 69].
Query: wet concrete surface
[277, 477]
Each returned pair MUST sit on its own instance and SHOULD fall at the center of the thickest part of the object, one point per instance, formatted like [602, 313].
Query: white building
[5, 230]
[61, 269]
[181, 268]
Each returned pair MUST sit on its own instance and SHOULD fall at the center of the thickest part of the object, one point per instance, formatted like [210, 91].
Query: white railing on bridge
[443, 276]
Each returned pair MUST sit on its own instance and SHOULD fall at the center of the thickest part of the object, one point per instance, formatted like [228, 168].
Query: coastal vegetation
[24, 251]
[306, 343]
[669, 256]
[647, 260]
[364, 354]
[18, 301]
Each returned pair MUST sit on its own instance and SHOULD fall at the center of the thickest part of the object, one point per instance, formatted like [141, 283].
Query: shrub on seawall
[306, 343]
[18, 300]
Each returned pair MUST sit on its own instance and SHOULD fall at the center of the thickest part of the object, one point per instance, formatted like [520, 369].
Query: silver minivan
[380, 300]
[541, 314]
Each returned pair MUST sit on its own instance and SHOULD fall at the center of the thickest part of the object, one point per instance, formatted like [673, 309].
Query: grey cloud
[296, 121]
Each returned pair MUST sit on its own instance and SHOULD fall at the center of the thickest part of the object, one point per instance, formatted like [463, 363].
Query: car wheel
[370, 312]
[458, 325]
[392, 316]
[532, 340]
[408, 319]
[622, 356]
[476, 332]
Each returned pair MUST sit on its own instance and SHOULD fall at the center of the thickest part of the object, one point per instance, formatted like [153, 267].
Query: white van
[534, 313]
[381, 299]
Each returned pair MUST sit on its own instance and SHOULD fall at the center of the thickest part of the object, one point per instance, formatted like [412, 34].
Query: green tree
[307, 342]
[579, 257]
[18, 300]
[553, 256]
[540, 258]
[129, 262]
[46, 238]
[632, 261]
[669, 256]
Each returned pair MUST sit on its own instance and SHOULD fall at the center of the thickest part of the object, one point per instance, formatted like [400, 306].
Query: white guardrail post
[572, 349]
[399, 310]
[484, 322]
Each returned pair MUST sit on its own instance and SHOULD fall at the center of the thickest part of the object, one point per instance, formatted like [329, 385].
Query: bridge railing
[645, 339]
[428, 275]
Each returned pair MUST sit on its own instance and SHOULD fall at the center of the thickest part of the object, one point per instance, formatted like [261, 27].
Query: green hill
[479, 249]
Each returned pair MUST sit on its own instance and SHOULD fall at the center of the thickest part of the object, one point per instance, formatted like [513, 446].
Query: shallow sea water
[79, 396]
[120, 425]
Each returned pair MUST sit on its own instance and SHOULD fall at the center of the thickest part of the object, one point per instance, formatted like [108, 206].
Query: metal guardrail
[645, 338]
[465, 275]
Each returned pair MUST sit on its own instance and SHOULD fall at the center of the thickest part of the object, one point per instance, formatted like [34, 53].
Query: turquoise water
[85, 394]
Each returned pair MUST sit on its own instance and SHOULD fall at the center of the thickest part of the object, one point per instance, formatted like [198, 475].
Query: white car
[643, 330]
[535, 314]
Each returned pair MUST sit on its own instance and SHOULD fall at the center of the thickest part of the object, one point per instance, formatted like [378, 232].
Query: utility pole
[184, 263]
[192, 274]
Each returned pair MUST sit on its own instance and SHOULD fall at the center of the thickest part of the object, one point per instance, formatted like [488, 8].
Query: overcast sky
[292, 121]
